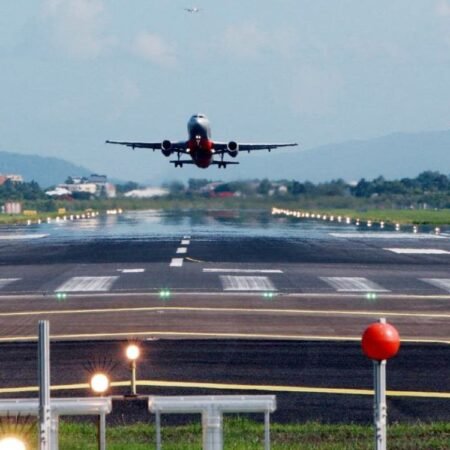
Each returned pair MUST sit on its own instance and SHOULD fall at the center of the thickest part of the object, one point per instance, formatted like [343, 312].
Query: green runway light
[269, 294]
[164, 293]
[371, 296]
[61, 295]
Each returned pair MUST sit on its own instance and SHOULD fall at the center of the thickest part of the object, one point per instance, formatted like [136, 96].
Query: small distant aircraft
[192, 10]
[200, 147]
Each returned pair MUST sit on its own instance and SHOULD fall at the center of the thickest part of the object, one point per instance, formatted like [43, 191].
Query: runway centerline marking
[176, 262]
[185, 242]
[87, 284]
[242, 270]
[353, 284]
[181, 250]
[441, 283]
[418, 251]
[236, 283]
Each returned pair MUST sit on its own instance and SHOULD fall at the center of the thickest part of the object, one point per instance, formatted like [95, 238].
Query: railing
[61, 407]
[212, 409]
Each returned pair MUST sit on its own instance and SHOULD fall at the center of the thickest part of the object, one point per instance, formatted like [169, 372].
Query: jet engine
[166, 148]
[233, 148]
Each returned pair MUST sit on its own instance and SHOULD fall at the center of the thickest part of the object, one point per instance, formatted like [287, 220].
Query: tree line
[429, 189]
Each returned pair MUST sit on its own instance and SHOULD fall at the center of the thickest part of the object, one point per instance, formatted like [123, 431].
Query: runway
[227, 279]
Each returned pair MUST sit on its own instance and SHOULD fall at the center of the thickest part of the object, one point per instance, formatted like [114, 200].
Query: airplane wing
[175, 146]
[221, 147]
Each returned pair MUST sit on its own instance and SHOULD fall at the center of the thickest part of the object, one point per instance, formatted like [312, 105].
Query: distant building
[12, 208]
[95, 185]
[11, 177]
[101, 179]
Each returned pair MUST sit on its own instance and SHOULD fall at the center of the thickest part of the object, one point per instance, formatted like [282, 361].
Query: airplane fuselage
[200, 145]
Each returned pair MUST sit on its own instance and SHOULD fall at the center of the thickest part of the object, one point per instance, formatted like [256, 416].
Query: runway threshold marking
[242, 270]
[15, 237]
[237, 283]
[5, 281]
[237, 387]
[441, 283]
[87, 284]
[353, 284]
[418, 251]
[386, 235]
[326, 312]
[131, 270]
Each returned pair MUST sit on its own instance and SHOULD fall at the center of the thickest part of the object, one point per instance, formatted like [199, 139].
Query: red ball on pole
[380, 341]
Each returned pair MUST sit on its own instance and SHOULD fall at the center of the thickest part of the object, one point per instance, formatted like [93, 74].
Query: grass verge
[245, 434]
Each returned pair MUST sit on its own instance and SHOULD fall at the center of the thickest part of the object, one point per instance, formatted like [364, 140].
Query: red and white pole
[380, 342]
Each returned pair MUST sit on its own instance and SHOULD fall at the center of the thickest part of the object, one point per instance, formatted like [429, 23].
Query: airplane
[192, 10]
[200, 147]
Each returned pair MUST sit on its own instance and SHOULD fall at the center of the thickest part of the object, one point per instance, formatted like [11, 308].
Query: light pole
[100, 384]
[133, 352]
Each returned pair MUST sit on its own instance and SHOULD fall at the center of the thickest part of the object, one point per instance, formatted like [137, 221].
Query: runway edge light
[164, 293]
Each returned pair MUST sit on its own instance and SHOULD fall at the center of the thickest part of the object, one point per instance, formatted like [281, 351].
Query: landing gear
[222, 163]
[178, 163]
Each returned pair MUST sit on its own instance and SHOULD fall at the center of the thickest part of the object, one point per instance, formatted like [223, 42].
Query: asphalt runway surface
[231, 302]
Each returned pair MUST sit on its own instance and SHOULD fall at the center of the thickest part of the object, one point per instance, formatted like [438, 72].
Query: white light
[99, 383]
[12, 443]
[133, 352]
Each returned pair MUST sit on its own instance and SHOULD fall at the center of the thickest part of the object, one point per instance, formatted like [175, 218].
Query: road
[232, 298]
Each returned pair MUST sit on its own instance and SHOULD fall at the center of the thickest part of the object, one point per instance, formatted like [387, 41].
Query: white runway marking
[386, 235]
[87, 284]
[14, 237]
[186, 237]
[418, 251]
[176, 262]
[441, 283]
[243, 270]
[131, 270]
[353, 284]
[185, 242]
[181, 250]
[5, 281]
[232, 283]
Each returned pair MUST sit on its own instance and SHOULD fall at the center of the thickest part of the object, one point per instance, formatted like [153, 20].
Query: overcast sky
[77, 72]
